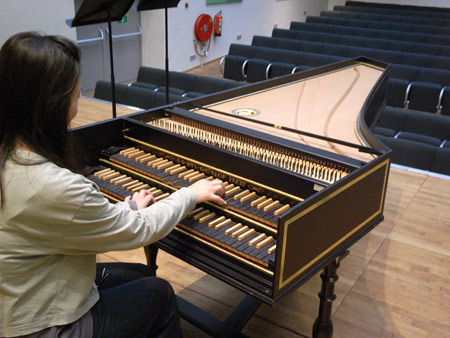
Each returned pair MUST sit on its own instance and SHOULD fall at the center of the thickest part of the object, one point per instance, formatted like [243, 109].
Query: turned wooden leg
[151, 252]
[323, 326]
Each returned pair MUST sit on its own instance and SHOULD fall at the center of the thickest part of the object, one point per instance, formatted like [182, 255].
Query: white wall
[434, 3]
[247, 18]
[46, 16]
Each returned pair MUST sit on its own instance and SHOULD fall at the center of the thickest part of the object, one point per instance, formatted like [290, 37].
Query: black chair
[424, 96]
[441, 161]
[207, 85]
[411, 153]
[103, 91]
[153, 77]
[444, 101]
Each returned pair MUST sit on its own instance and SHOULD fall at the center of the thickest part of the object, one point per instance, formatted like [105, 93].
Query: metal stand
[113, 79]
[99, 11]
[323, 326]
[167, 54]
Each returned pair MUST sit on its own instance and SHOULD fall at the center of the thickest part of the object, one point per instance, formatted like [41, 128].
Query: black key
[182, 183]
[244, 243]
[171, 178]
[219, 234]
[269, 257]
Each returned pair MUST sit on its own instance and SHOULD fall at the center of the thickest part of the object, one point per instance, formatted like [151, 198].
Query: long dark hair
[38, 77]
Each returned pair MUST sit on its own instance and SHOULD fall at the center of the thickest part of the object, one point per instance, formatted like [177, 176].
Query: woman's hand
[209, 191]
[143, 198]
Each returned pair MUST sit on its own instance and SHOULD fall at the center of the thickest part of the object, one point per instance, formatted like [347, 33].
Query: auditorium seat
[444, 101]
[134, 96]
[415, 95]
[416, 138]
[411, 153]
[421, 74]
[441, 161]
[404, 120]
[423, 96]
[103, 91]
[180, 83]
[396, 92]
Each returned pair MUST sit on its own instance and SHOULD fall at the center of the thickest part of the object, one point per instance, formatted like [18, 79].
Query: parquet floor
[394, 283]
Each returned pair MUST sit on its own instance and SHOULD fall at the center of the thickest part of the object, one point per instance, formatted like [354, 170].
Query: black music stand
[100, 11]
[145, 5]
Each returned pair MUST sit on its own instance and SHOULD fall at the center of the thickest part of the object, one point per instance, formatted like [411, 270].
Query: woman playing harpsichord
[54, 221]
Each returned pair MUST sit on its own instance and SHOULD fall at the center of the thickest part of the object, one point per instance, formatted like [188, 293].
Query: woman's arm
[100, 226]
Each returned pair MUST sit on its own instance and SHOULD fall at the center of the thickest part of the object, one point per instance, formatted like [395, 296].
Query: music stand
[145, 5]
[100, 11]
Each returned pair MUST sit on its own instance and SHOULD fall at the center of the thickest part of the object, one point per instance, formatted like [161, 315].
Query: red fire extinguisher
[218, 20]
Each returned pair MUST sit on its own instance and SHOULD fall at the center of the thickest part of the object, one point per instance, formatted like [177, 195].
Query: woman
[53, 221]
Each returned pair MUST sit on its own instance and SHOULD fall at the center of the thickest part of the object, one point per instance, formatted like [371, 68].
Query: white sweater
[52, 225]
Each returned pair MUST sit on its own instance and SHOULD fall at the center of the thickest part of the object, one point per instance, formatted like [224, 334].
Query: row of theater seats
[417, 81]
[418, 139]
[354, 6]
[417, 49]
[134, 96]
[349, 38]
[340, 26]
[391, 26]
[397, 7]
[149, 89]
[343, 48]
[415, 88]
[182, 84]
[431, 25]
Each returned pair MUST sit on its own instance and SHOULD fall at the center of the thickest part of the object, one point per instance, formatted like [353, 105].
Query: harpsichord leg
[151, 251]
[323, 326]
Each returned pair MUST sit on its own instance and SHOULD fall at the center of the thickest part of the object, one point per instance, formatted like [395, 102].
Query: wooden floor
[394, 283]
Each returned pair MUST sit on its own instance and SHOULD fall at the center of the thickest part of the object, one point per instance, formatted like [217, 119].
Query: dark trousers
[133, 303]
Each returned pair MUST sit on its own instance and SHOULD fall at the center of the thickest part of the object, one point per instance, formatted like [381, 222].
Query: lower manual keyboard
[219, 230]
